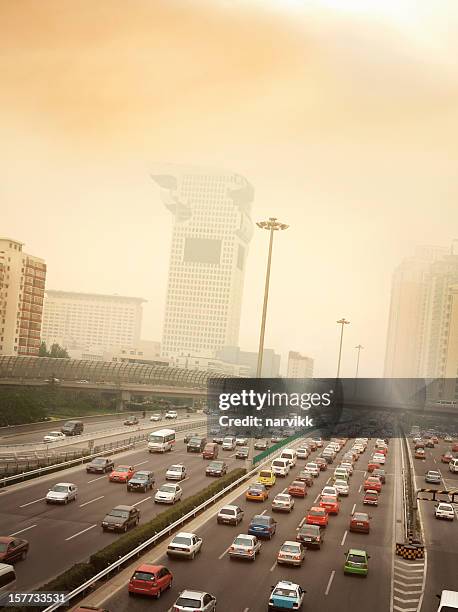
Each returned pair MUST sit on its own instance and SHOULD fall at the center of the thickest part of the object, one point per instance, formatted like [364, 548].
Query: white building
[83, 320]
[211, 364]
[22, 286]
[299, 366]
[211, 233]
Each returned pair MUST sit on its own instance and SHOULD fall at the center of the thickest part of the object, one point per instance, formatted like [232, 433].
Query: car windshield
[243, 541]
[356, 558]
[281, 592]
[144, 576]
[265, 474]
[309, 530]
[260, 520]
[98, 461]
[182, 540]
[187, 602]
[341, 483]
[328, 499]
[195, 440]
[256, 487]
[282, 498]
[434, 474]
[311, 466]
[291, 548]
[175, 468]
[360, 517]
[119, 513]
[122, 469]
[316, 512]
[141, 476]
[55, 433]
[59, 488]
[215, 464]
[227, 511]
[167, 489]
[3, 547]
[297, 483]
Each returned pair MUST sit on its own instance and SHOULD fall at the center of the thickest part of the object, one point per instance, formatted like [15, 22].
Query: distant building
[299, 366]
[208, 363]
[79, 321]
[147, 352]
[22, 286]
[211, 233]
[270, 360]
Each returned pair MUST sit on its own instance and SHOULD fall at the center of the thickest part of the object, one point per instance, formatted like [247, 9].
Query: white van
[290, 454]
[280, 467]
[453, 465]
[7, 577]
[448, 601]
[229, 443]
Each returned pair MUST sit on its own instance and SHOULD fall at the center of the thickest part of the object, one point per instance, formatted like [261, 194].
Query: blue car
[286, 595]
[262, 526]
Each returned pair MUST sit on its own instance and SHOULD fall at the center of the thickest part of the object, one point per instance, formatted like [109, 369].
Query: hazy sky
[344, 119]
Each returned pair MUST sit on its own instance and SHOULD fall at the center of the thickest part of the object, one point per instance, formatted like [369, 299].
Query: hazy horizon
[344, 121]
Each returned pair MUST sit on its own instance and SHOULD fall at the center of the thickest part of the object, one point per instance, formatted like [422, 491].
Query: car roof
[229, 507]
[176, 465]
[357, 551]
[123, 507]
[184, 534]
[64, 484]
[192, 594]
[290, 543]
[143, 472]
[148, 567]
[449, 598]
[286, 584]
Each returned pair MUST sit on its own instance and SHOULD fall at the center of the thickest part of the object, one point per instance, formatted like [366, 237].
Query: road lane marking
[22, 531]
[360, 487]
[35, 501]
[95, 479]
[331, 578]
[91, 501]
[141, 501]
[80, 532]
[141, 463]
[224, 553]
[353, 509]
[344, 538]
[316, 498]
[273, 566]
[263, 512]
[284, 490]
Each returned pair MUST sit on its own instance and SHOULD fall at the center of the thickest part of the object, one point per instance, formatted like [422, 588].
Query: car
[188, 437]
[218, 439]
[267, 478]
[447, 457]
[453, 465]
[176, 472]
[317, 516]
[286, 595]
[262, 526]
[280, 467]
[216, 468]
[322, 463]
[156, 417]
[306, 477]
[330, 490]
[13, 549]
[142, 480]
[372, 482]
[241, 441]
[356, 562]
[194, 600]
[121, 473]
[149, 579]
[168, 494]
[283, 502]
[62, 493]
[429, 443]
[379, 458]
[348, 466]
[184, 544]
[54, 436]
[330, 503]
[360, 522]
[444, 511]
[373, 465]
[100, 465]
[245, 546]
[313, 469]
[303, 453]
[132, 420]
[121, 518]
[433, 477]
[276, 439]
[230, 515]
[370, 497]
[242, 452]
[228, 443]
[196, 444]
[342, 487]
[318, 442]
[448, 601]
[291, 553]
[297, 488]
[380, 473]
[448, 439]
[311, 536]
[257, 492]
[420, 453]
[260, 445]
[171, 414]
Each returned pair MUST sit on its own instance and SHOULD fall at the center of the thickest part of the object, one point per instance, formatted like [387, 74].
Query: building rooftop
[98, 296]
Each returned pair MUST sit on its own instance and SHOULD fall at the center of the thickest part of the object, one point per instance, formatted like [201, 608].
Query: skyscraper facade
[299, 366]
[211, 234]
[22, 287]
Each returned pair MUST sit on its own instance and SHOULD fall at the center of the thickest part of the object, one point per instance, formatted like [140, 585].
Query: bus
[161, 441]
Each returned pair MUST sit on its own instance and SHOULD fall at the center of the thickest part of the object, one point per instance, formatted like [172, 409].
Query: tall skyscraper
[211, 233]
[299, 366]
[22, 286]
[82, 320]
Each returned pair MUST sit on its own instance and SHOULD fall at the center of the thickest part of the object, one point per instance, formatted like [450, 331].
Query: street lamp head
[343, 321]
[359, 346]
[272, 224]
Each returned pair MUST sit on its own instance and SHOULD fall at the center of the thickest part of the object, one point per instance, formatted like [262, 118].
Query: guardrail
[123, 445]
[151, 541]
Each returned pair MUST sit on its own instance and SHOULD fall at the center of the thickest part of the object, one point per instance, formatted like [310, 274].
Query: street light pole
[358, 347]
[272, 225]
[341, 322]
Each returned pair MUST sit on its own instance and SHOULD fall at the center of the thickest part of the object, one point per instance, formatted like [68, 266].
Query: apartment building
[299, 366]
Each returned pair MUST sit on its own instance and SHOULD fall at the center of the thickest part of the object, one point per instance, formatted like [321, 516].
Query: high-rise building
[299, 366]
[211, 233]
[82, 320]
[22, 286]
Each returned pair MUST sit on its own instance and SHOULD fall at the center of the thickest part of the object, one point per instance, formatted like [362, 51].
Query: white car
[318, 442]
[176, 472]
[171, 414]
[291, 553]
[283, 502]
[342, 487]
[155, 417]
[62, 493]
[444, 511]
[330, 491]
[302, 453]
[194, 600]
[168, 494]
[54, 436]
[313, 468]
[184, 545]
[348, 466]
[245, 546]
[379, 458]
[241, 441]
[280, 467]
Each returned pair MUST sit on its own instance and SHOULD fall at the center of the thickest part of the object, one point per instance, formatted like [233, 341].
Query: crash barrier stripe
[57, 466]
[410, 551]
[437, 492]
[147, 543]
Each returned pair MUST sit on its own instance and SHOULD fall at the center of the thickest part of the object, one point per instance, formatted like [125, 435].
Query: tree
[56, 351]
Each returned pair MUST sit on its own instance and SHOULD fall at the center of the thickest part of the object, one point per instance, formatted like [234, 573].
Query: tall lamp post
[272, 225]
[358, 347]
[342, 322]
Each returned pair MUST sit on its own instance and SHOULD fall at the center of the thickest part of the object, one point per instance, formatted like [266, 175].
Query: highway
[242, 586]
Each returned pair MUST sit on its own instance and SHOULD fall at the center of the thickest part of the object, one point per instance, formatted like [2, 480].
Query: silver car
[62, 493]
[168, 494]
[245, 546]
[283, 502]
[188, 601]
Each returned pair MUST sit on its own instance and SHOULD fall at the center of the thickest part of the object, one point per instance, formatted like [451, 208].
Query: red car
[373, 482]
[382, 450]
[330, 503]
[359, 522]
[122, 473]
[447, 457]
[150, 580]
[371, 498]
[321, 463]
[371, 466]
[317, 516]
[13, 549]
[298, 488]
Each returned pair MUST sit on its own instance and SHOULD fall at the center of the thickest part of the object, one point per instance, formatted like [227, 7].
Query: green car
[356, 562]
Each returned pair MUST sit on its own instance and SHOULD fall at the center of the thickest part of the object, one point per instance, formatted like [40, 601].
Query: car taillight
[249, 551]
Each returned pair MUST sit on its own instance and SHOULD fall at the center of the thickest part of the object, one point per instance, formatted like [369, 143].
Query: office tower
[299, 366]
[211, 233]
[82, 320]
[22, 286]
